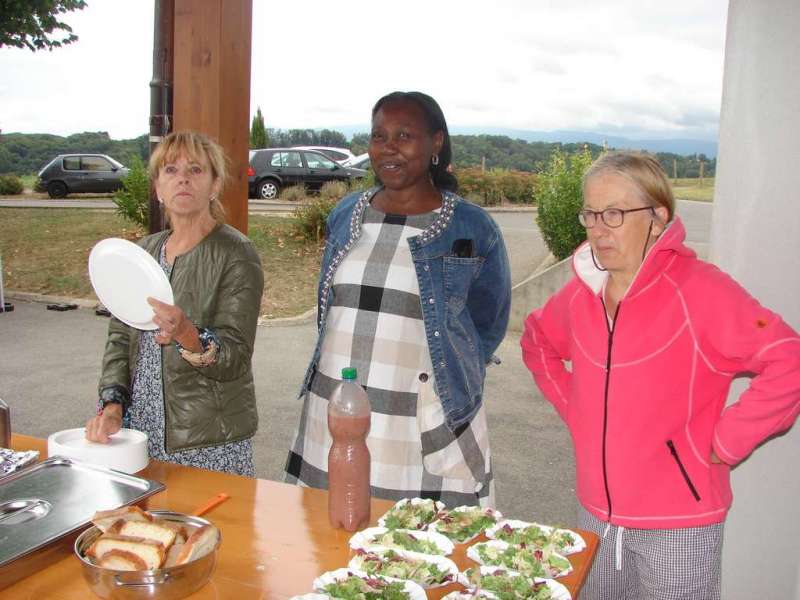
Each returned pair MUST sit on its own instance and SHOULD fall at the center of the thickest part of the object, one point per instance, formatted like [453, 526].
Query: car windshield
[117, 164]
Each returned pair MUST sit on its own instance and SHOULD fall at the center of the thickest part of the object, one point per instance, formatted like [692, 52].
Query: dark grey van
[81, 173]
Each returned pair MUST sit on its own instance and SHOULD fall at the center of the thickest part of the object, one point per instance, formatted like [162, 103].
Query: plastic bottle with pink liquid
[349, 417]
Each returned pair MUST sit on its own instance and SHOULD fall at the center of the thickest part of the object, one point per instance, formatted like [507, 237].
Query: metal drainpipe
[161, 92]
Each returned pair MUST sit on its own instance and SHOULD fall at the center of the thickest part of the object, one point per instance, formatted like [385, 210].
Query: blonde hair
[194, 146]
[643, 170]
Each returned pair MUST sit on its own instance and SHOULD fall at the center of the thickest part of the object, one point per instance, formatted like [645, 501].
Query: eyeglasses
[612, 217]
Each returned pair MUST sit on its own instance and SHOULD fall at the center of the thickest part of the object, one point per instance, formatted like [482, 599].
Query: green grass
[694, 189]
[46, 251]
[28, 181]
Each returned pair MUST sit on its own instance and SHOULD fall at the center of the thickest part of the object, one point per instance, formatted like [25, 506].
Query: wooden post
[211, 82]
[483, 164]
[702, 170]
[675, 169]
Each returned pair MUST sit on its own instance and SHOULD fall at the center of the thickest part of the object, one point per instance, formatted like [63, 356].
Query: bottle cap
[349, 373]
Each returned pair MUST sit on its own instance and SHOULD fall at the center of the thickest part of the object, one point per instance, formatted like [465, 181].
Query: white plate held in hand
[123, 276]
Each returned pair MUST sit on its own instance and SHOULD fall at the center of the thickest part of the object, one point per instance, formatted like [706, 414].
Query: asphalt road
[50, 362]
[105, 203]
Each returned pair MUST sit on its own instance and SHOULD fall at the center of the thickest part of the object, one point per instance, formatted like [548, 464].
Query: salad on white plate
[523, 533]
[426, 570]
[352, 584]
[411, 513]
[505, 584]
[464, 523]
[531, 562]
[412, 540]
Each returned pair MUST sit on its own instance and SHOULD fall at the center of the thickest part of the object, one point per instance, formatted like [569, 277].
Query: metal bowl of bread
[132, 554]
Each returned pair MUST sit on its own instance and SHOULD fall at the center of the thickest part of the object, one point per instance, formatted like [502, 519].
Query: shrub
[10, 185]
[364, 183]
[496, 186]
[333, 190]
[309, 219]
[133, 200]
[294, 193]
[559, 196]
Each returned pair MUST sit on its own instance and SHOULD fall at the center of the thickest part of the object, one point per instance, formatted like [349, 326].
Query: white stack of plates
[126, 452]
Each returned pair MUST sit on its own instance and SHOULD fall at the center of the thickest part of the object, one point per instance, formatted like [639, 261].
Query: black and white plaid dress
[375, 324]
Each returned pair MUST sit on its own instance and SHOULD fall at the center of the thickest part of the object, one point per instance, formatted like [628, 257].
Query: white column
[755, 236]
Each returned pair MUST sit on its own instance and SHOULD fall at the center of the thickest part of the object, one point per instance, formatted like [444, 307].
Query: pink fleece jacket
[644, 397]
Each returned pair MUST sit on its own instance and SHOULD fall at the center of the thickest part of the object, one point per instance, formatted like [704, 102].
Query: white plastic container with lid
[126, 451]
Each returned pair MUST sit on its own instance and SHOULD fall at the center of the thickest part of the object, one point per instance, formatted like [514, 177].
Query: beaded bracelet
[210, 345]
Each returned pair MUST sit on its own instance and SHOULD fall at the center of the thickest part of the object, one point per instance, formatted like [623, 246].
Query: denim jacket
[465, 293]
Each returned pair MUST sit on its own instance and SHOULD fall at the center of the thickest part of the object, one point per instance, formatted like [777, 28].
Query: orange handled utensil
[213, 502]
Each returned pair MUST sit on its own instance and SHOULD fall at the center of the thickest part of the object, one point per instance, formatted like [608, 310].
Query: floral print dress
[146, 413]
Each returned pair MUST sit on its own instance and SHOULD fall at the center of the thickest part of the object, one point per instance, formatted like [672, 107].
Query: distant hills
[679, 146]
[501, 148]
[566, 136]
[24, 153]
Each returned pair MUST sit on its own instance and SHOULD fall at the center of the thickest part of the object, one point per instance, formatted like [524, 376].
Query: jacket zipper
[611, 329]
[163, 388]
[677, 458]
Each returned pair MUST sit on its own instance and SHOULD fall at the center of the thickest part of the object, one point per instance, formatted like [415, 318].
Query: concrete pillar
[755, 236]
[211, 78]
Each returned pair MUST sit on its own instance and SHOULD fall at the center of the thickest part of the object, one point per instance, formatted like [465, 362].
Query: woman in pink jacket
[654, 337]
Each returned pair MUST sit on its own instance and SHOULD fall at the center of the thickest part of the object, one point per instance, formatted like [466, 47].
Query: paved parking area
[50, 362]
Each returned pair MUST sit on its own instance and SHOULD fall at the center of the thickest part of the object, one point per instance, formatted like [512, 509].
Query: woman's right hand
[108, 422]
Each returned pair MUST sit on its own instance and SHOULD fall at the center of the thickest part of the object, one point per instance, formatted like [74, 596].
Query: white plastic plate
[123, 275]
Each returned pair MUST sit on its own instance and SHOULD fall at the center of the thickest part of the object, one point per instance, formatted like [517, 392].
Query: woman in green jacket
[189, 384]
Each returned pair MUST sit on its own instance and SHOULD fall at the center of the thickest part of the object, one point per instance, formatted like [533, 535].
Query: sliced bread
[155, 530]
[103, 519]
[150, 551]
[121, 560]
[200, 543]
[181, 532]
[173, 553]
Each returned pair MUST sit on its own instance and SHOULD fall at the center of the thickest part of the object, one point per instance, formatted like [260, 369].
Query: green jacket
[218, 284]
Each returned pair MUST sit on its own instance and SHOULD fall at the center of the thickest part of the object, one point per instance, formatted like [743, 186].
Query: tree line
[25, 153]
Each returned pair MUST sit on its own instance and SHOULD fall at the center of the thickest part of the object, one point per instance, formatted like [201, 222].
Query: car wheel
[268, 189]
[56, 189]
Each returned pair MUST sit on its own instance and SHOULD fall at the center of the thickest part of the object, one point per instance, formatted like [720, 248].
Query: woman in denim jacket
[414, 292]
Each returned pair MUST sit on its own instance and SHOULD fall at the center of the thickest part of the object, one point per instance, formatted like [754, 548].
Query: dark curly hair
[434, 117]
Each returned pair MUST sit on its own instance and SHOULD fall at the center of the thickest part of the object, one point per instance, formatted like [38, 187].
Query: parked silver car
[81, 173]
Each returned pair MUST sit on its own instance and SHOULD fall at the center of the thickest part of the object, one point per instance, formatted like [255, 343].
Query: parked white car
[358, 162]
[339, 155]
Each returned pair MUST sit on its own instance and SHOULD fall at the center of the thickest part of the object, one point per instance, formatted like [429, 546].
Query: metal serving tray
[46, 505]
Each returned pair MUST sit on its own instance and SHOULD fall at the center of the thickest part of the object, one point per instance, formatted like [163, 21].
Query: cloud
[549, 64]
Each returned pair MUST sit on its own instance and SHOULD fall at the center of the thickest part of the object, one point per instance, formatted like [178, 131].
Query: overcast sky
[628, 67]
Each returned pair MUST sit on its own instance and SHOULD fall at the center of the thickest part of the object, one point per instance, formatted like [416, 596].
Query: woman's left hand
[171, 320]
